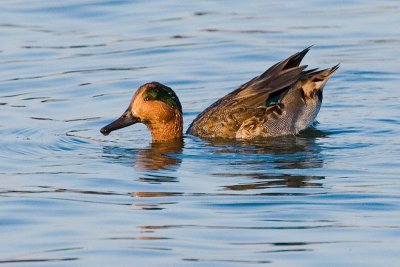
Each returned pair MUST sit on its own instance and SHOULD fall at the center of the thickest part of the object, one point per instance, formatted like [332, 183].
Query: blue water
[69, 196]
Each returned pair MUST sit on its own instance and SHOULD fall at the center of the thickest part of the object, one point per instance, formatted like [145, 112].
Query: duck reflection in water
[276, 163]
[158, 156]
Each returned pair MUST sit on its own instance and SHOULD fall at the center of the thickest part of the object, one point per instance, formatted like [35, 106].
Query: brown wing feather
[224, 117]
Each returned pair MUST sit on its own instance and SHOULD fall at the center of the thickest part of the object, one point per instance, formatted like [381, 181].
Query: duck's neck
[164, 131]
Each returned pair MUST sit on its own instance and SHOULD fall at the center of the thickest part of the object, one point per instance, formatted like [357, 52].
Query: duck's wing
[280, 76]
[224, 117]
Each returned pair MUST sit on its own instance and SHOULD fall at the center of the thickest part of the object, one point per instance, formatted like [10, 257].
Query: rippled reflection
[265, 181]
[158, 156]
[266, 161]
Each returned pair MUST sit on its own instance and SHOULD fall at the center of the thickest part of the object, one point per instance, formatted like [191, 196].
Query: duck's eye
[147, 98]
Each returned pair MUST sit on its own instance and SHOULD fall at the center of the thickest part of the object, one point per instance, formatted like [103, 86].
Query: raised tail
[316, 79]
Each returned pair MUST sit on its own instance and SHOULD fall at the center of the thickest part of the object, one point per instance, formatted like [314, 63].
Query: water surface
[69, 196]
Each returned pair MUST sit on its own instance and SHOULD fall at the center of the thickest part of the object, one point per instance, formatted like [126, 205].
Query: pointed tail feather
[291, 62]
[316, 80]
[295, 60]
[320, 75]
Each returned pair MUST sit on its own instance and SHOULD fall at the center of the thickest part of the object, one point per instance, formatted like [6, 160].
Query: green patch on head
[159, 92]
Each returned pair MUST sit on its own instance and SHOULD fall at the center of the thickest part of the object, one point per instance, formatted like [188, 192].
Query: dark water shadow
[295, 151]
[260, 181]
[273, 162]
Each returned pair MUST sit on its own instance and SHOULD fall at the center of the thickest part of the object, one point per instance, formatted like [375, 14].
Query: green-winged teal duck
[283, 100]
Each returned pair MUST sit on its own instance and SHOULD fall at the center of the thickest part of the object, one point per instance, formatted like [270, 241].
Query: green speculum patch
[163, 94]
[273, 99]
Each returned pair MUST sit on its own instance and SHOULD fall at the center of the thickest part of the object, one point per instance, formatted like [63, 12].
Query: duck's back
[262, 106]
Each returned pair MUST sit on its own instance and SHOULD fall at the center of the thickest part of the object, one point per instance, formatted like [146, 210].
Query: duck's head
[155, 105]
